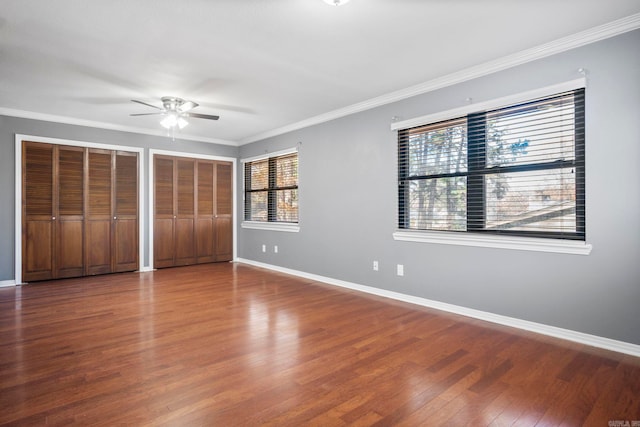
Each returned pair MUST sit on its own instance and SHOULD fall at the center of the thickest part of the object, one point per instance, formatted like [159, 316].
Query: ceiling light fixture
[175, 113]
[172, 120]
[336, 2]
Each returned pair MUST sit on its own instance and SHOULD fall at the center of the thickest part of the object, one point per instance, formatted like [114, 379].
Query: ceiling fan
[176, 111]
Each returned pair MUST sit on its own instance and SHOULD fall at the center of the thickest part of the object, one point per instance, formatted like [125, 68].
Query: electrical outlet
[400, 269]
[375, 265]
[275, 249]
[264, 248]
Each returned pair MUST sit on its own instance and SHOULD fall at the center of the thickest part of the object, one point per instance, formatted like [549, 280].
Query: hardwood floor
[229, 344]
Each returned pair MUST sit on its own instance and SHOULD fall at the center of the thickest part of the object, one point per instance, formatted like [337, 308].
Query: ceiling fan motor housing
[170, 103]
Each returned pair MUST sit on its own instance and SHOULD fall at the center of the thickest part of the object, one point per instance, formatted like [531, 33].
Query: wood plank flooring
[229, 344]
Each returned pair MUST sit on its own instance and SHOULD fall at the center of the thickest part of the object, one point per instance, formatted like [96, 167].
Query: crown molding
[564, 44]
[103, 125]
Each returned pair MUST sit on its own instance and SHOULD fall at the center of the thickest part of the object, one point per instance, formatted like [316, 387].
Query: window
[271, 189]
[516, 170]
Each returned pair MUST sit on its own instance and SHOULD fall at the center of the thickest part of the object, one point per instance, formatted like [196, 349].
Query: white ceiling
[262, 65]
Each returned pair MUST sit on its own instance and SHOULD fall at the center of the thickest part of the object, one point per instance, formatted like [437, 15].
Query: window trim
[537, 244]
[291, 227]
[480, 239]
[492, 104]
[269, 155]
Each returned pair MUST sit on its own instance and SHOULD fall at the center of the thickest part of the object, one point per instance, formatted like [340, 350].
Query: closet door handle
[53, 218]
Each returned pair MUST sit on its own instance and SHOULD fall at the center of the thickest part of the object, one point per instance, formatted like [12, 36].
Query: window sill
[271, 226]
[500, 242]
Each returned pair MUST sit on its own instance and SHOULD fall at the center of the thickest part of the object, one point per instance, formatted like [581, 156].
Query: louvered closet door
[125, 216]
[193, 210]
[98, 212]
[205, 228]
[38, 255]
[224, 210]
[80, 211]
[69, 223]
[163, 241]
[185, 213]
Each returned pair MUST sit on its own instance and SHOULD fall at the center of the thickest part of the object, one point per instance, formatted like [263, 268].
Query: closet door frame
[19, 138]
[150, 213]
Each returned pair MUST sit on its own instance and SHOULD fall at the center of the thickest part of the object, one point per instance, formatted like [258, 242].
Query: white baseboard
[566, 334]
[146, 269]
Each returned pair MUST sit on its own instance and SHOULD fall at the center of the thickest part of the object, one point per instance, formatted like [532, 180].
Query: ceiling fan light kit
[172, 120]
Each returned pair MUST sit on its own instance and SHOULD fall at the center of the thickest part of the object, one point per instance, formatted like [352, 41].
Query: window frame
[496, 238]
[271, 224]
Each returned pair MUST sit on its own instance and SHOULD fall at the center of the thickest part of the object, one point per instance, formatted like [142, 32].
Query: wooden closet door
[69, 223]
[224, 210]
[185, 213]
[98, 211]
[193, 211]
[163, 228]
[80, 211]
[38, 211]
[125, 215]
[205, 229]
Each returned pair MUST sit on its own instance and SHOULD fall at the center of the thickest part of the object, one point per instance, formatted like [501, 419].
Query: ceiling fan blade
[144, 103]
[187, 106]
[146, 114]
[202, 116]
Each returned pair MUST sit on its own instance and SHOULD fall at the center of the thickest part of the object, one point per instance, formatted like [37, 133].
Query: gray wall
[348, 205]
[10, 126]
